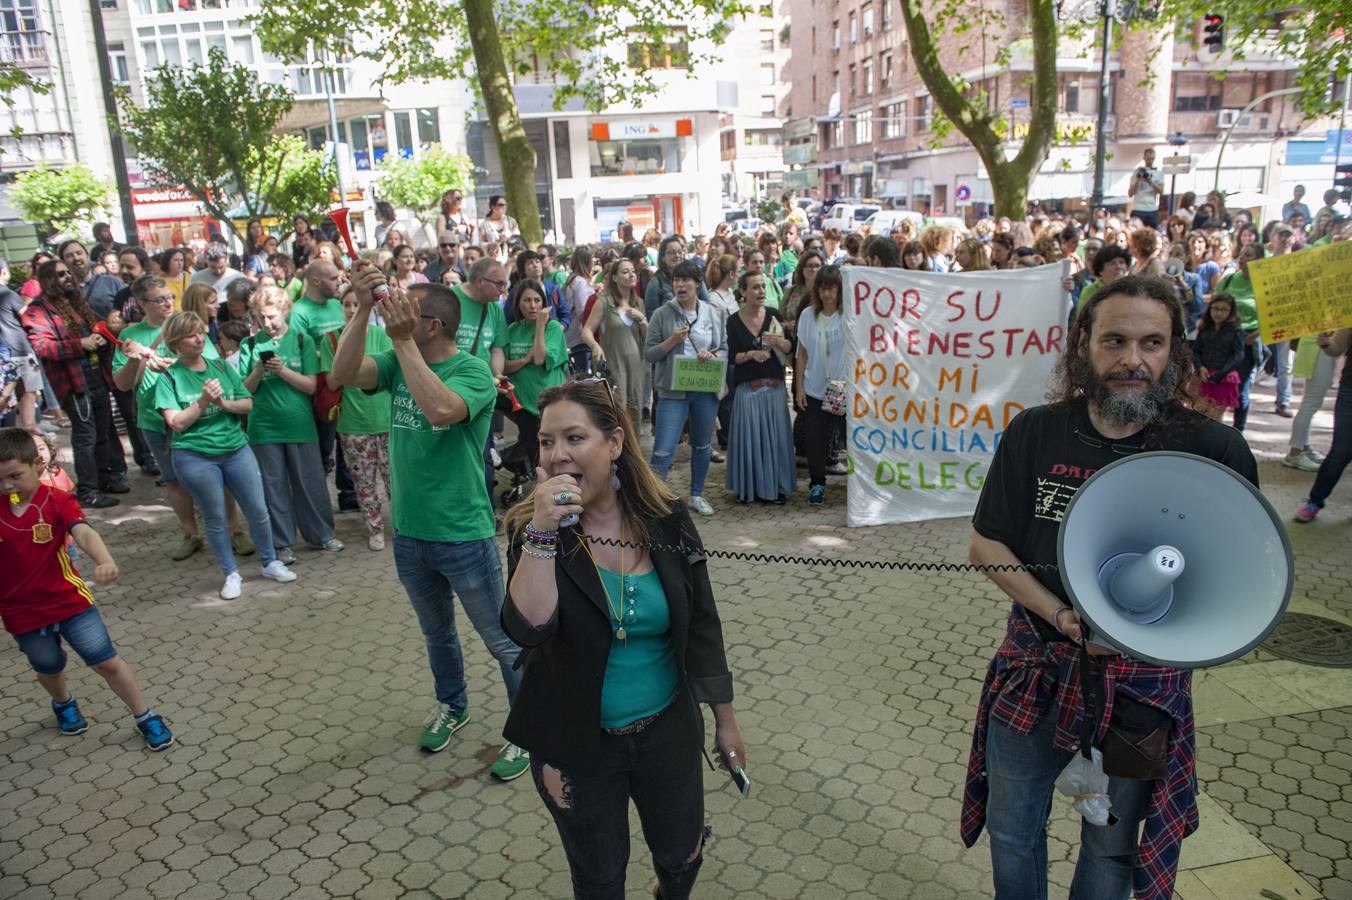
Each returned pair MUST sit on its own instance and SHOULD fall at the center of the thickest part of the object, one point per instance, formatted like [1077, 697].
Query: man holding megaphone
[1120, 388]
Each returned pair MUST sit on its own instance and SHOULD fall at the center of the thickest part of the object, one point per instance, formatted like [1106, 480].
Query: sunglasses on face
[449, 246]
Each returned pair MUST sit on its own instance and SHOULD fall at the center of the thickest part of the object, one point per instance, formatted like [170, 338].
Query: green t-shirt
[1088, 291]
[529, 380]
[216, 432]
[559, 277]
[147, 417]
[282, 414]
[316, 319]
[494, 332]
[295, 287]
[436, 472]
[1238, 285]
[785, 266]
[774, 294]
[362, 413]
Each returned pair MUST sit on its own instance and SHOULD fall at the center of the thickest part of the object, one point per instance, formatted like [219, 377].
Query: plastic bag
[1086, 783]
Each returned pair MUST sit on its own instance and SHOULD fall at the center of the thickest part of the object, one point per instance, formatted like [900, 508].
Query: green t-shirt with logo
[282, 414]
[147, 417]
[216, 432]
[494, 333]
[437, 488]
[529, 380]
[316, 319]
[362, 413]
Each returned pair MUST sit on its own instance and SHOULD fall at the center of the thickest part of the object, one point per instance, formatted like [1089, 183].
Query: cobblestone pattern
[1289, 780]
[297, 710]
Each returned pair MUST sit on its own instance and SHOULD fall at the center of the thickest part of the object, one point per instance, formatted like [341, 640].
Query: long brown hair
[643, 496]
[69, 304]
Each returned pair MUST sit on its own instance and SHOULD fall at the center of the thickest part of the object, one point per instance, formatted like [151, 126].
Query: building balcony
[34, 148]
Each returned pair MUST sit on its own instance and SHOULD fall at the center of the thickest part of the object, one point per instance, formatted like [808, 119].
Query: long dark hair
[69, 303]
[1064, 389]
[643, 496]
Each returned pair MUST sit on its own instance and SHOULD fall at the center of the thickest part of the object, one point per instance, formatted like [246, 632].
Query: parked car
[848, 216]
[884, 221]
[748, 226]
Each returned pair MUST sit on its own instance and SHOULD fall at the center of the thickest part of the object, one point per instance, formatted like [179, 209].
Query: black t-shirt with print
[1041, 462]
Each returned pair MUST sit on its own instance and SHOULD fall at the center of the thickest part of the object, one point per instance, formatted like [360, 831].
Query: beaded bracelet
[538, 554]
[541, 537]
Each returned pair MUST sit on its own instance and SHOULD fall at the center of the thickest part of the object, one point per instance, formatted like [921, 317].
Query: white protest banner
[938, 365]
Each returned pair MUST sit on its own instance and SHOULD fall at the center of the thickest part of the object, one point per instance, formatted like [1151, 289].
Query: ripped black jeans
[660, 770]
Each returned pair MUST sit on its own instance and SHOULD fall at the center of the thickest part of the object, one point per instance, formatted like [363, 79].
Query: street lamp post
[1175, 140]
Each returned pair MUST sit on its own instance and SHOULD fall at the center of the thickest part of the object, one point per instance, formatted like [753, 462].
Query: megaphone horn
[1175, 559]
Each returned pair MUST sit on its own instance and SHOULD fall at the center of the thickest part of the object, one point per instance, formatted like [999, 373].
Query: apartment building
[751, 138]
[63, 125]
[372, 123]
[860, 119]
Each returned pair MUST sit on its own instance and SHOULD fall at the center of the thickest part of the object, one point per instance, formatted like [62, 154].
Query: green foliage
[768, 211]
[209, 128]
[65, 197]
[11, 79]
[418, 184]
[307, 178]
[415, 39]
[1312, 33]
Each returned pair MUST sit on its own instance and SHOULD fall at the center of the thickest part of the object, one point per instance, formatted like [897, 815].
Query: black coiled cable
[785, 559]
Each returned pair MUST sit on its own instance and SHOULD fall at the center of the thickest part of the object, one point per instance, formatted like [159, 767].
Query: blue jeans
[433, 573]
[1340, 454]
[84, 632]
[701, 408]
[205, 478]
[1022, 772]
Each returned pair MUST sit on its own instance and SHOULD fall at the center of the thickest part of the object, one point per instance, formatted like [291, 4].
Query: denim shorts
[85, 634]
[158, 442]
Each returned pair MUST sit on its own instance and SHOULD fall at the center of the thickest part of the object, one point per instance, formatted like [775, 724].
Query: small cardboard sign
[699, 375]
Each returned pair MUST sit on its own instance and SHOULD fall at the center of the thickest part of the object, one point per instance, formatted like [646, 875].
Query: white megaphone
[1175, 559]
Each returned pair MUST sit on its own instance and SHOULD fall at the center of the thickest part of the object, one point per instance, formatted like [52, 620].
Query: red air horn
[511, 395]
[103, 331]
[339, 217]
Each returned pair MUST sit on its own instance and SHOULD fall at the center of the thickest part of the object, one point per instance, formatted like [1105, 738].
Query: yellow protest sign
[1303, 293]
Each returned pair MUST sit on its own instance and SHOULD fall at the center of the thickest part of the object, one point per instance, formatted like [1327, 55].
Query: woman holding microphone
[621, 644]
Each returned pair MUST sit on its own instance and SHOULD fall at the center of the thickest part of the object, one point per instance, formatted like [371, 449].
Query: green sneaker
[511, 763]
[441, 724]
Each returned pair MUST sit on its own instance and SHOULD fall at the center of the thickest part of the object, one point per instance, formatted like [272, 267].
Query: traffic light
[1214, 32]
[1342, 181]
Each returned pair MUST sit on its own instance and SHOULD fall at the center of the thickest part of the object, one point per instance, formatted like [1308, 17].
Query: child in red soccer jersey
[43, 600]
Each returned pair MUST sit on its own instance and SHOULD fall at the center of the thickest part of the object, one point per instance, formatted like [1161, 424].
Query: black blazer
[557, 711]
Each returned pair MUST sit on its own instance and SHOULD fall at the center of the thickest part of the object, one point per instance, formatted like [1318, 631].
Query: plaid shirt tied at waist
[1030, 678]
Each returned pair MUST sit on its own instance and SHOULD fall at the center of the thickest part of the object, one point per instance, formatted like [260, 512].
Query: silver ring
[563, 498]
[732, 753]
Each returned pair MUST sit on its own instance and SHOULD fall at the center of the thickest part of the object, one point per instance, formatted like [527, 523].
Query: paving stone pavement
[297, 710]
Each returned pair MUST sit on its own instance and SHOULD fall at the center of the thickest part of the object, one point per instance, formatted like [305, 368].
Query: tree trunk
[514, 149]
[1009, 185]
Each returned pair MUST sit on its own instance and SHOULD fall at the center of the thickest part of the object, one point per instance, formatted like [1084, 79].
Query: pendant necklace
[41, 532]
[620, 633]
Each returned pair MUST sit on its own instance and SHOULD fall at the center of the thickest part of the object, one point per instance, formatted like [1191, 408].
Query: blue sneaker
[817, 494]
[68, 717]
[157, 734]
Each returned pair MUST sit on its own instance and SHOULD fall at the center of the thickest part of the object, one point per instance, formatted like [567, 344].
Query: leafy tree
[1313, 34]
[63, 198]
[307, 178]
[967, 109]
[418, 184]
[209, 128]
[415, 39]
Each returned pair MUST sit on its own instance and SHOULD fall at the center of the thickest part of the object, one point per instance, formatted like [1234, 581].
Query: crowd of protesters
[242, 381]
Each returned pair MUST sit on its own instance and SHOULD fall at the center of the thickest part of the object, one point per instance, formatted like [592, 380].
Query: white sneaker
[700, 505]
[277, 571]
[333, 545]
[1301, 461]
[837, 468]
[230, 590]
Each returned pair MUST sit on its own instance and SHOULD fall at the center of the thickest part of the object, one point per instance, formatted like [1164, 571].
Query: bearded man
[1120, 388]
[77, 362]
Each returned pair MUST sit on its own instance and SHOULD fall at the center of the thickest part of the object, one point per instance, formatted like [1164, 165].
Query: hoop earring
[614, 477]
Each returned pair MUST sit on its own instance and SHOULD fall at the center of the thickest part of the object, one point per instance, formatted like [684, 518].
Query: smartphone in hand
[738, 776]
